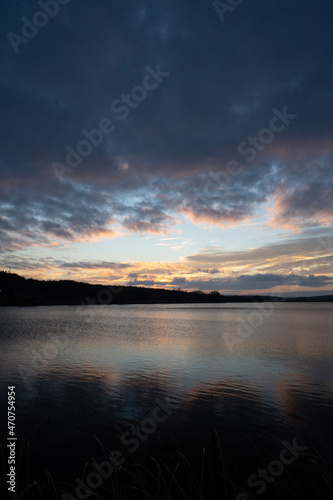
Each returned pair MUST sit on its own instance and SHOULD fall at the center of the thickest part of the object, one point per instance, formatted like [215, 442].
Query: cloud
[208, 271]
[70, 211]
[92, 265]
[307, 198]
[166, 162]
[312, 249]
[147, 218]
[250, 283]
[178, 281]
[171, 275]
[147, 283]
[32, 217]
[199, 115]
[133, 275]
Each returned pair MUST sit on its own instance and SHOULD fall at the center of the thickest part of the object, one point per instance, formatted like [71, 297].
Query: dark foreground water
[239, 396]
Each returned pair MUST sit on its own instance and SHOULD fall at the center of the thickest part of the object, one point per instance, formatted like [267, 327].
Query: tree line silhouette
[16, 290]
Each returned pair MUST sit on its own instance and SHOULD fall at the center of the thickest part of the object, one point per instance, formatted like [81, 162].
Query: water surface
[92, 371]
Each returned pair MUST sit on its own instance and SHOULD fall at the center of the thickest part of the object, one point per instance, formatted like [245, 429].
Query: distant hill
[16, 290]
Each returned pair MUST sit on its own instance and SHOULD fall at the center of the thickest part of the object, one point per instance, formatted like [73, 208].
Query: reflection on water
[97, 370]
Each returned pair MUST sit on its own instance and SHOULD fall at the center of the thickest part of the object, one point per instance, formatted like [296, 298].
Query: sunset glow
[127, 165]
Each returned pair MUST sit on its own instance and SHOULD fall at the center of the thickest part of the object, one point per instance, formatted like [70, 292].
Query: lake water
[261, 376]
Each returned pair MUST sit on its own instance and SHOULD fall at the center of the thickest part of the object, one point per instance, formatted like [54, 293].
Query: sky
[173, 144]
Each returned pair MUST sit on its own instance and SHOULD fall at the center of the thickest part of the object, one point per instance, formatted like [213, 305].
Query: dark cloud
[148, 283]
[30, 216]
[208, 271]
[91, 265]
[145, 217]
[178, 281]
[225, 79]
[255, 282]
[307, 197]
[244, 283]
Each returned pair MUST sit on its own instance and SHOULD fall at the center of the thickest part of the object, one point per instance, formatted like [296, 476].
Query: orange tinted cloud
[290, 211]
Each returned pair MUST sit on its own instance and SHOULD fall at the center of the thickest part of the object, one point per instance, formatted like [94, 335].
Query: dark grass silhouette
[176, 474]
